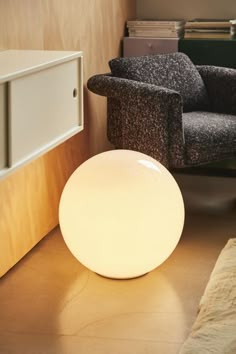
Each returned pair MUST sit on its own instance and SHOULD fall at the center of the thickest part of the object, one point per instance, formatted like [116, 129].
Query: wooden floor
[51, 304]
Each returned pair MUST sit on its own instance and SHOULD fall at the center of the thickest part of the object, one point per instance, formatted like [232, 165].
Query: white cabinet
[41, 103]
[3, 128]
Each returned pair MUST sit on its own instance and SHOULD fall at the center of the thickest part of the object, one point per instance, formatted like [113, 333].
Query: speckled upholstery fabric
[173, 71]
[140, 117]
[221, 87]
[208, 136]
[149, 118]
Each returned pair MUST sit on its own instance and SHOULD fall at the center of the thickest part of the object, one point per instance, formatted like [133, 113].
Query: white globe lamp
[121, 214]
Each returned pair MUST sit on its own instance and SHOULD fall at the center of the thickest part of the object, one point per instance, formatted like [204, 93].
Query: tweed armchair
[166, 107]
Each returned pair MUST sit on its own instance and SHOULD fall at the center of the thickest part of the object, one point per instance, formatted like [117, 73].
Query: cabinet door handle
[75, 92]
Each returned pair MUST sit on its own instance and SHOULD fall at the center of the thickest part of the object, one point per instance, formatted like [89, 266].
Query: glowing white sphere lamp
[121, 214]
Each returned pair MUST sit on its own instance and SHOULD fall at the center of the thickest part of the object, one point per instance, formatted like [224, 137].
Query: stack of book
[203, 28]
[233, 28]
[156, 29]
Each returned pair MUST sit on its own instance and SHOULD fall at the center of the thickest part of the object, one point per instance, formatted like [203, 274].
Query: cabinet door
[44, 110]
[146, 46]
[217, 52]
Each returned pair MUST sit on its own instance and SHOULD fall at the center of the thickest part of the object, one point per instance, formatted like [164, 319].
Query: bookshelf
[219, 52]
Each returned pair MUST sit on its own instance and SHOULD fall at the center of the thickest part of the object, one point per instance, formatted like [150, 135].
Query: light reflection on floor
[51, 304]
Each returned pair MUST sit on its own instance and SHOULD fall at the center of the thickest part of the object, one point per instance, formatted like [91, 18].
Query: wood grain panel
[186, 9]
[20, 24]
[29, 198]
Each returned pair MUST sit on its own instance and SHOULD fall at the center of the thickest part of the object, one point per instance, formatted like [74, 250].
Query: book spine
[207, 25]
[207, 35]
[155, 34]
[145, 23]
[165, 27]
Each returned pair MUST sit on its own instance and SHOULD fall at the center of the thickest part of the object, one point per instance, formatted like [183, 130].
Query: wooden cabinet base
[30, 197]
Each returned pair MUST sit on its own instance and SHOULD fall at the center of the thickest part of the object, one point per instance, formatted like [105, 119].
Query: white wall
[186, 9]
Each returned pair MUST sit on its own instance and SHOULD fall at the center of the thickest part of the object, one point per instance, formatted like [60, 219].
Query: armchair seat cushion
[174, 71]
[209, 136]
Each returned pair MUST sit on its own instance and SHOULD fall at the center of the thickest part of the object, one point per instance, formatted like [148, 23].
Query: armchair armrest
[221, 87]
[143, 117]
[111, 86]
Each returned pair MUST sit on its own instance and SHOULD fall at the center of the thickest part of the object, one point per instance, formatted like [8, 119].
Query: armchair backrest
[174, 71]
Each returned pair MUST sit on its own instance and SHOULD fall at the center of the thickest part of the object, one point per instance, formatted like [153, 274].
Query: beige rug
[214, 331]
